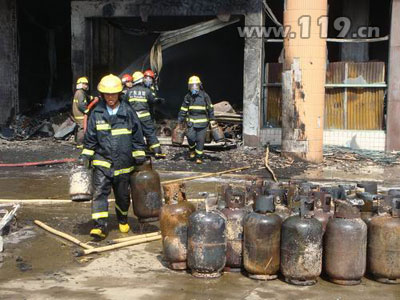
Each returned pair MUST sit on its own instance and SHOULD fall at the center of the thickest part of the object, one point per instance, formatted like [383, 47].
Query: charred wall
[44, 34]
[8, 61]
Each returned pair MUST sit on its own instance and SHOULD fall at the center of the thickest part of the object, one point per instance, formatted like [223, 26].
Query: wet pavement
[42, 266]
[37, 265]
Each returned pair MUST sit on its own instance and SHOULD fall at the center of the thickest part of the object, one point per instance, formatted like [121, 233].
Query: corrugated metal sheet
[273, 74]
[334, 110]
[345, 108]
[365, 109]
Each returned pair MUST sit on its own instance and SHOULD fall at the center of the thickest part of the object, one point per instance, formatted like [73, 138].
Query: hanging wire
[270, 14]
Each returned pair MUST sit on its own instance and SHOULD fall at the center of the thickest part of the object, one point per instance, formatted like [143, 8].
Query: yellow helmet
[82, 80]
[194, 80]
[137, 76]
[110, 84]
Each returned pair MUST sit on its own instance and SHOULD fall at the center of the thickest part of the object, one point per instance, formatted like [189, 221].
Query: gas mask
[194, 88]
[148, 81]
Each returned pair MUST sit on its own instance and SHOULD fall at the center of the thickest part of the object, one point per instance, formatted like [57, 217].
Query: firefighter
[197, 110]
[114, 144]
[149, 82]
[80, 107]
[127, 82]
[140, 98]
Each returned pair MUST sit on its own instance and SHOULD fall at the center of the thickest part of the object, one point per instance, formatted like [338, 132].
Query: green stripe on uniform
[99, 215]
[121, 131]
[101, 163]
[88, 152]
[123, 171]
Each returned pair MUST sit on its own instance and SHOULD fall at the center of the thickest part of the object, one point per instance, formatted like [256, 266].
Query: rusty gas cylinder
[208, 138]
[345, 245]
[234, 213]
[322, 210]
[384, 246]
[280, 201]
[207, 244]
[81, 184]
[301, 246]
[146, 193]
[369, 209]
[178, 135]
[262, 237]
[174, 219]
[217, 133]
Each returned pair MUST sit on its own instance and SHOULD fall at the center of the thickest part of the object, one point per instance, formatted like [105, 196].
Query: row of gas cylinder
[299, 232]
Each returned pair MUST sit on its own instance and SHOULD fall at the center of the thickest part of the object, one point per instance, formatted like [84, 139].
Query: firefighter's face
[112, 100]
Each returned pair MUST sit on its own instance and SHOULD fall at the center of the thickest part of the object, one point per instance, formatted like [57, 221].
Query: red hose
[40, 163]
[90, 106]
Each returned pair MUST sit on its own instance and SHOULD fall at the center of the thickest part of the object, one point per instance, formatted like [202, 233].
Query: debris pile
[230, 121]
[6, 220]
[55, 123]
[350, 159]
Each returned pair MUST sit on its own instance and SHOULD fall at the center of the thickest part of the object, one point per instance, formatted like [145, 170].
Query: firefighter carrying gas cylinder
[197, 110]
[80, 104]
[113, 144]
[140, 97]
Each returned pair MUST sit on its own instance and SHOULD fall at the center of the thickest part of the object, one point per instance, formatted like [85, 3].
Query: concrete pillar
[78, 28]
[393, 106]
[8, 60]
[358, 13]
[304, 75]
[252, 85]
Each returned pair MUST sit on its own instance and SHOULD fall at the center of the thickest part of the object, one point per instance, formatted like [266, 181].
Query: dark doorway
[217, 58]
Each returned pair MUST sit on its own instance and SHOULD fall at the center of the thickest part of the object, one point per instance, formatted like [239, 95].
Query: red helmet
[149, 73]
[126, 78]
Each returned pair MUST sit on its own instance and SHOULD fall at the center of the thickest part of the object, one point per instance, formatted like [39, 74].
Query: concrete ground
[38, 265]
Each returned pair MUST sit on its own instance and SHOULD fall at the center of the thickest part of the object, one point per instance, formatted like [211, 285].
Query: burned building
[46, 46]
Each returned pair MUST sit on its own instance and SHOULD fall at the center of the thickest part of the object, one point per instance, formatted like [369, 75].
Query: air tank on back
[207, 243]
[301, 246]
[234, 213]
[384, 245]
[146, 193]
[345, 245]
[174, 219]
[81, 184]
[262, 237]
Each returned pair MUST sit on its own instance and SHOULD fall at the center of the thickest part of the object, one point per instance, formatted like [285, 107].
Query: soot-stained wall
[44, 34]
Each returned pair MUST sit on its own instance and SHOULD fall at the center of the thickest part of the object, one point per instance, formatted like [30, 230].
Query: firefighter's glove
[140, 160]
[83, 161]
[160, 101]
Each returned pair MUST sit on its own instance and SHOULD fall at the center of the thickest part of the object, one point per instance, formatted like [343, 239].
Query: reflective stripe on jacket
[79, 105]
[113, 142]
[197, 109]
[140, 98]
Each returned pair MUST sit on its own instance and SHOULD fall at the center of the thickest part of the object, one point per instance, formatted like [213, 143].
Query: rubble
[38, 124]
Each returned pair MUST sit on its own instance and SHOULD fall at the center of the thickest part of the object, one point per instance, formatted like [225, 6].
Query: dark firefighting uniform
[197, 110]
[113, 143]
[140, 98]
[79, 110]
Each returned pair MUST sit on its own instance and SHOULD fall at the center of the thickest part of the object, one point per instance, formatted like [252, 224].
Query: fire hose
[40, 163]
[90, 106]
